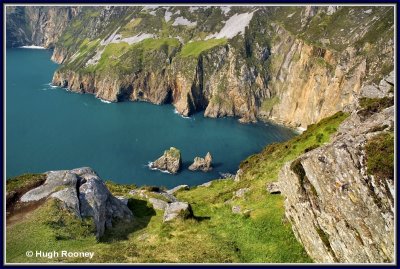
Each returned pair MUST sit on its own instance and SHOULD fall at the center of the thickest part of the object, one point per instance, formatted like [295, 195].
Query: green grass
[122, 58]
[195, 48]
[380, 155]
[267, 104]
[266, 164]
[174, 152]
[215, 234]
[25, 181]
[373, 105]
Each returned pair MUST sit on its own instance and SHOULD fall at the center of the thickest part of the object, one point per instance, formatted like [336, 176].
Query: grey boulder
[83, 193]
[181, 210]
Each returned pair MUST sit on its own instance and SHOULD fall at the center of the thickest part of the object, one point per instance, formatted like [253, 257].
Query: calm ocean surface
[52, 129]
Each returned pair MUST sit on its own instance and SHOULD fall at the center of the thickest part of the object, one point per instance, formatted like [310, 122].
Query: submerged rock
[202, 164]
[82, 192]
[171, 161]
[176, 210]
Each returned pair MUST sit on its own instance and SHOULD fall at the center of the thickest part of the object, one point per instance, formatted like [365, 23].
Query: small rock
[370, 91]
[202, 164]
[133, 192]
[241, 192]
[236, 209]
[226, 175]
[239, 173]
[158, 204]
[390, 78]
[207, 184]
[175, 210]
[169, 197]
[171, 161]
[247, 212]
[178, 188]
[273, 188]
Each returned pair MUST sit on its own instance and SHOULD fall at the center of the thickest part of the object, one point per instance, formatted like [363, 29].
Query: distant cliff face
[39, 26]
[293, 65]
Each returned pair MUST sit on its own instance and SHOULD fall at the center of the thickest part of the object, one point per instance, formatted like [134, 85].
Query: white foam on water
[185, 117]
[33, 47]
[149, 165]
[104, 101]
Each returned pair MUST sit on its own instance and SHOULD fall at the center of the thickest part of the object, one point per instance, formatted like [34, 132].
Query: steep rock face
[312, 83]
[83, 193]
[41, 26]
[338, 211]
[291, 65]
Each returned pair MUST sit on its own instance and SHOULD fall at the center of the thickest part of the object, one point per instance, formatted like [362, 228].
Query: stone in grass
[158, 204]
[181, 210]
[178, 188]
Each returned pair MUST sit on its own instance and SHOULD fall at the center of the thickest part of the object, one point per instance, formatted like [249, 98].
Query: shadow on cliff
[142, 215]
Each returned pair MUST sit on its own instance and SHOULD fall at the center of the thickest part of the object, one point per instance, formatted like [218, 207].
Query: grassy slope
[215, 235]
[195, 48]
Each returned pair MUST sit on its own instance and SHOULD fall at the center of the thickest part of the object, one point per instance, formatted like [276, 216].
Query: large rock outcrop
[338, 210]
[82, 192]
[170, 161]
[202, 164]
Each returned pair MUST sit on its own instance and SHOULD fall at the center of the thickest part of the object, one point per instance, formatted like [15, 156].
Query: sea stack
[202, 164]
[170, 161]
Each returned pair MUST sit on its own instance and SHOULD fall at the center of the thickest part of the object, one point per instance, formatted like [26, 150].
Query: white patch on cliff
[233, 26]
[225, 10]
[96, 58]
[168, 15]
[291, 15]
[110, 38]
[135, 39]
[183, 21]
[33, 47]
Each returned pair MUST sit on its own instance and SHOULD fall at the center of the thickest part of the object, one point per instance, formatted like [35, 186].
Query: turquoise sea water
[51, 129]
